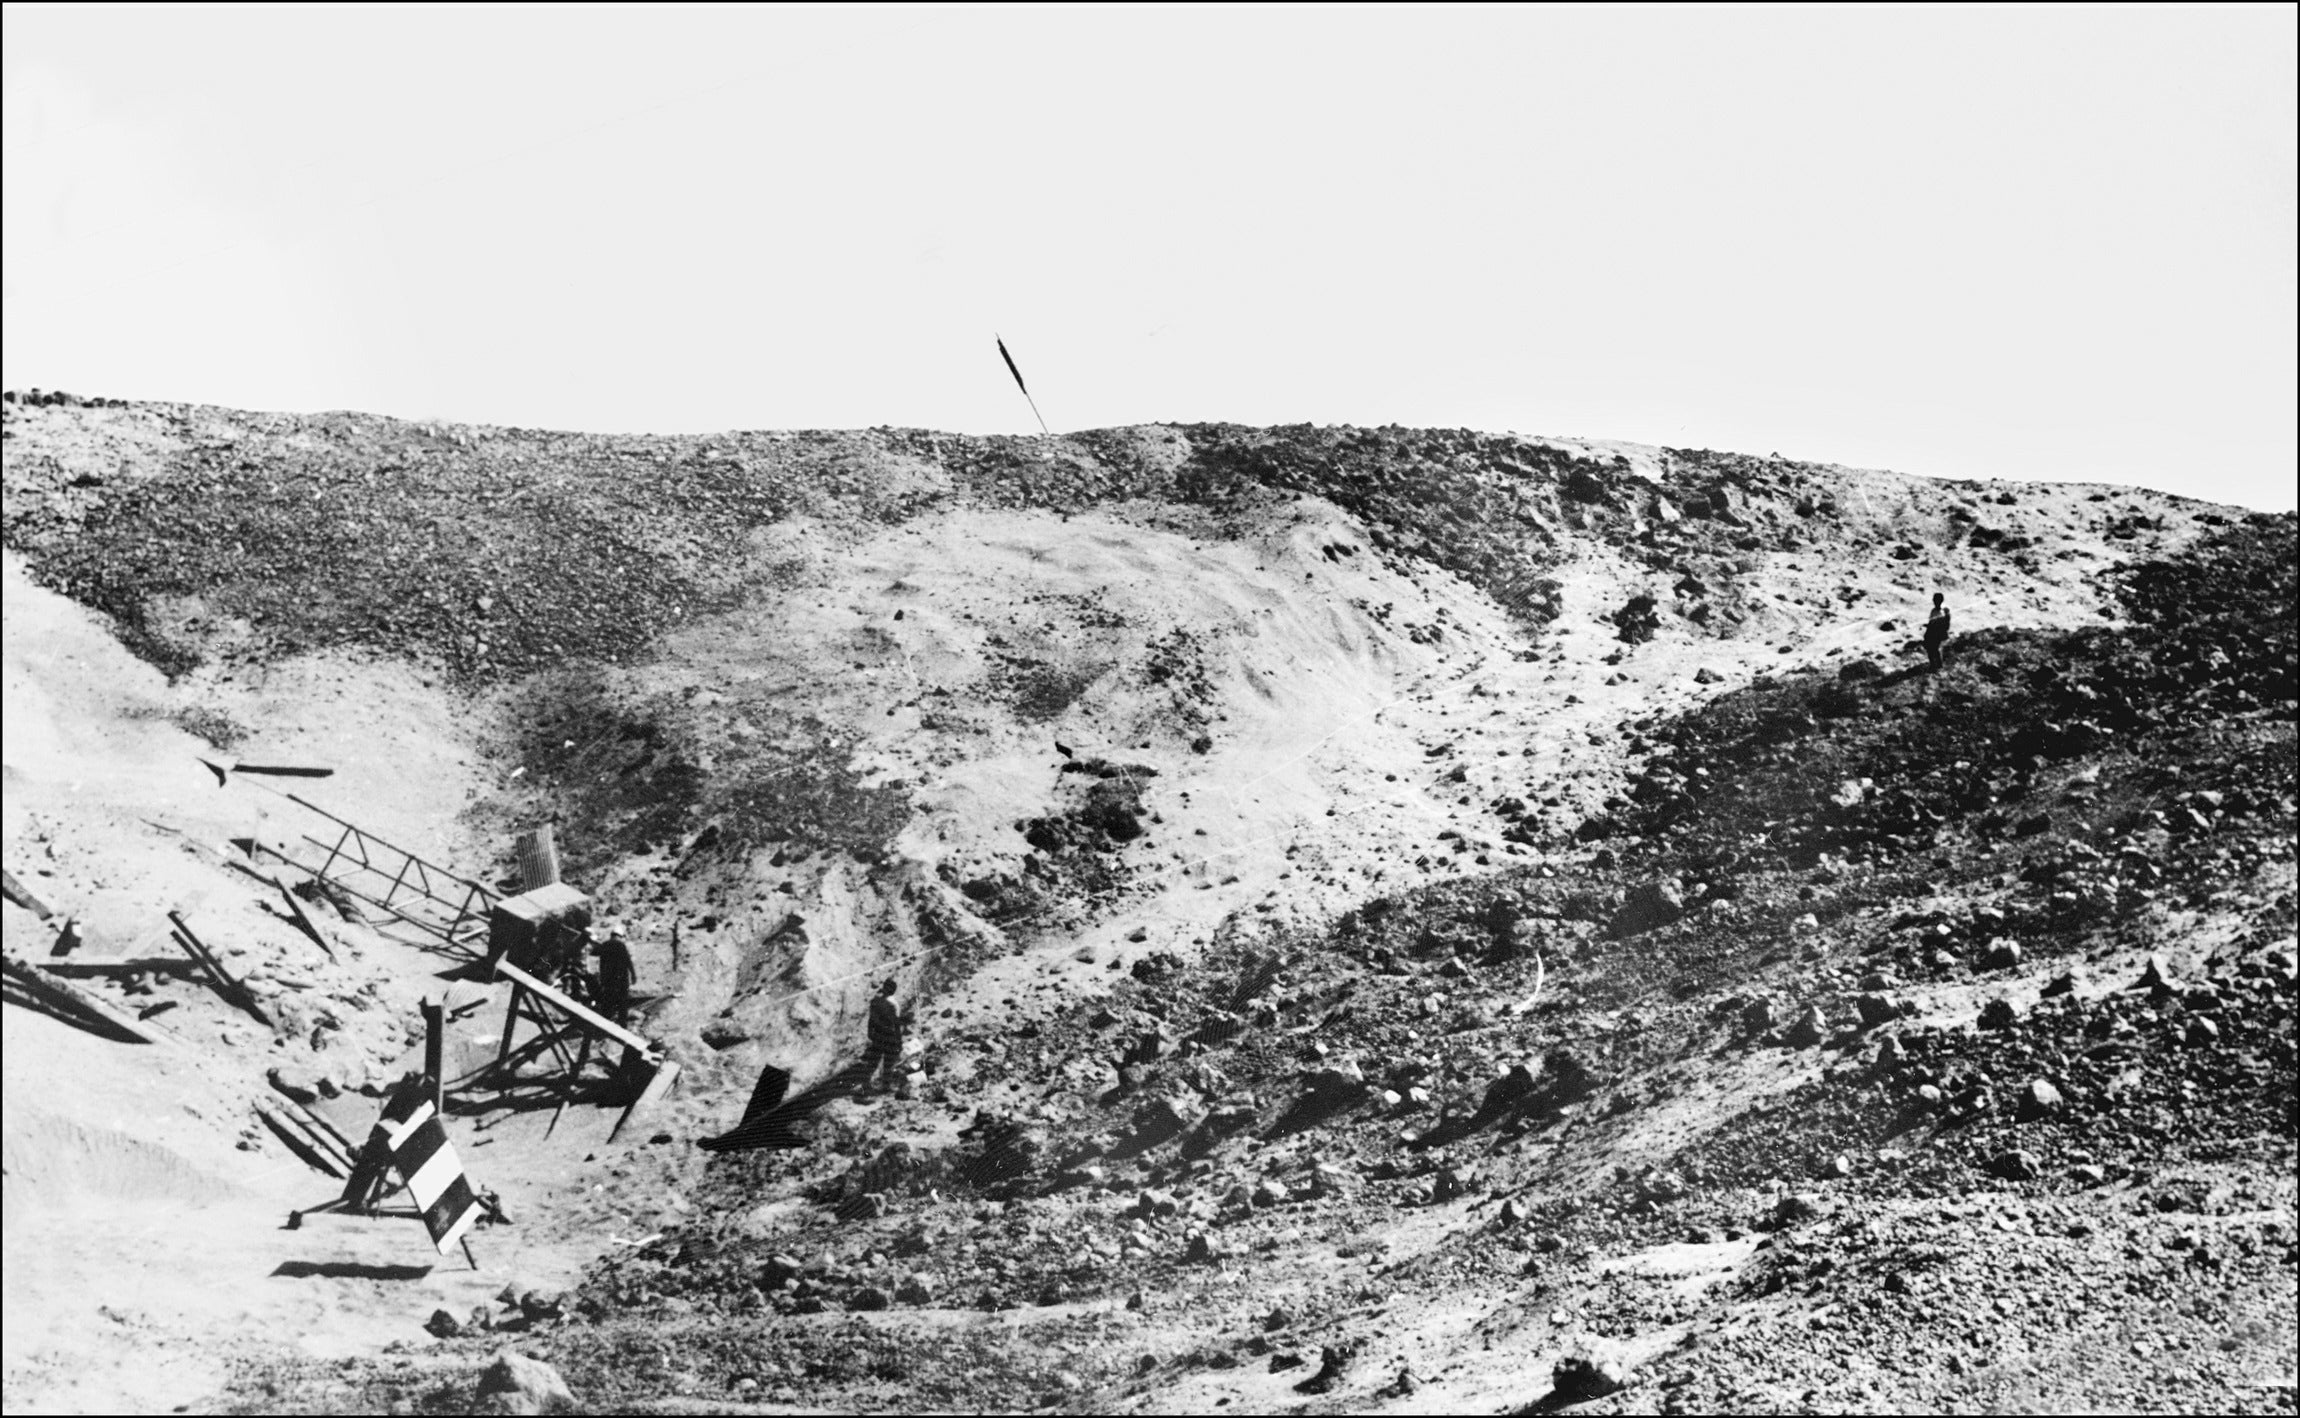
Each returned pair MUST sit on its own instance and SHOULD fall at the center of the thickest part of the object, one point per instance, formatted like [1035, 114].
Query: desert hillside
[1396, 919]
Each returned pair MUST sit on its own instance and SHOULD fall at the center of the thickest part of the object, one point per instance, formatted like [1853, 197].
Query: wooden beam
[434, 1047]
[318, 1124]
[666, 1074]
[59, 993]
[22, 895]
[303, 919]
[135, 965]
[232, 990]
[291, 1131]
[597, 1021]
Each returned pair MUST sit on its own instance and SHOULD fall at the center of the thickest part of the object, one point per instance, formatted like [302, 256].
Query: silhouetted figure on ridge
[884, 1053]
[1936, 631]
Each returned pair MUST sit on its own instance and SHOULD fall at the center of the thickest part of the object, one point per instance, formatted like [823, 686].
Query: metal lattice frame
[425, 895]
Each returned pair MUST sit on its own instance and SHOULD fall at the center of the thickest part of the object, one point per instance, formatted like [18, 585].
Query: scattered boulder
[1565, 1079]
[1795, 1207]
[1161, 1119]
[1649, 907]
[443, 1325]
[2039, 1100]
[2015, 1165]
[916, 1289]
[541, 1305]
[1662, 1186]
[1586, 1374]
[1507, 1091]
[1452, 1183]
[1876, 1010]
[514, 1383]
[1999, 1014]
[1010, 1152]
[1336, 1363]
[301, 1082]
[2002, 955]
[723, 1034]
[1811, 1028]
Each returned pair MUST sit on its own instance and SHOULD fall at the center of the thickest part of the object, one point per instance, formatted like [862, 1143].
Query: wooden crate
[538, 930]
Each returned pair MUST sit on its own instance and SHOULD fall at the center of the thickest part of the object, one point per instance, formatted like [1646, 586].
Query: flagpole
[1014, 370]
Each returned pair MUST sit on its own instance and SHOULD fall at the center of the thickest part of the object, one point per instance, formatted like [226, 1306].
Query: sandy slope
[143, 1243]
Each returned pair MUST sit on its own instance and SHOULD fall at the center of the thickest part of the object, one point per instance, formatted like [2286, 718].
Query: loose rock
[514, 1383]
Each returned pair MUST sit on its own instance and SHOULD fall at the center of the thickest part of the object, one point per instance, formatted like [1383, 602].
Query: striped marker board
[416, 1141]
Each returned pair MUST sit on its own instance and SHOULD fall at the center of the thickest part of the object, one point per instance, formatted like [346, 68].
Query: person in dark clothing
[885, 1047]
[615, 976]
[1936, 631]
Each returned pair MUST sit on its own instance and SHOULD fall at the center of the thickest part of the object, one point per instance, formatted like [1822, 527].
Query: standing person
[615, 976]
[1936, 631]
[885, 1048]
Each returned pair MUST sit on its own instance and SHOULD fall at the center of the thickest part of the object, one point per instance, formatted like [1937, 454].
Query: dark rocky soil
[2031, 917]
[1891, 1040]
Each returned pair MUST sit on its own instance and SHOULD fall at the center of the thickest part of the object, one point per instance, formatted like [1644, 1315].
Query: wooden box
[539, 930]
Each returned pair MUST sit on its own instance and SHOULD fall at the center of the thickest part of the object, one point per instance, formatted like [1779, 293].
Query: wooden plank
[232, 990]
[190, 946]
[303, 919]
[434, 1047]
[109, 969]
[320, 1132]
[258, 873]
[289, 1131]
[665, 1075]
[40, 983]
[597, 1021]
[538, 859]
[22, 895]
[319, 1125]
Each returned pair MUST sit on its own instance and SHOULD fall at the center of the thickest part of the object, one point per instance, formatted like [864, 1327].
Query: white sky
[2055, 242]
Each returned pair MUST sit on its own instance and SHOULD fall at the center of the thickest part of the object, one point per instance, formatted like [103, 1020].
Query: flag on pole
[1017, 373]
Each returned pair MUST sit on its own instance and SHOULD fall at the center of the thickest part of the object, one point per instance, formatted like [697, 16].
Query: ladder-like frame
[451, 908]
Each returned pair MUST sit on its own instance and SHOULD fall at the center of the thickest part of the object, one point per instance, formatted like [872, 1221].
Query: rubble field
[1396, 920]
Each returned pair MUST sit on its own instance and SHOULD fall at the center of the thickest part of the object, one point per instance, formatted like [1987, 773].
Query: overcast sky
[2040, 243]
